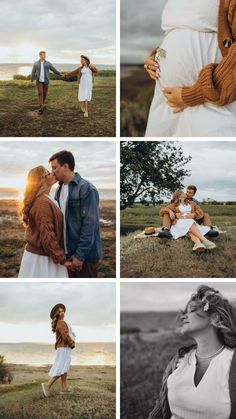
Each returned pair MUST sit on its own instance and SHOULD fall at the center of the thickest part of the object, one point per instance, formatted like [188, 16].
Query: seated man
[167, 218]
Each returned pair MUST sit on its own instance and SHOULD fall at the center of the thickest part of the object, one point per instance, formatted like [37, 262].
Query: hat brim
[54, 309]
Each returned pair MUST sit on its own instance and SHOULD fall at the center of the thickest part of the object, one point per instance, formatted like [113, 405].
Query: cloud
[166, 296]
[64, 29]
[95, 160]
[140, 28]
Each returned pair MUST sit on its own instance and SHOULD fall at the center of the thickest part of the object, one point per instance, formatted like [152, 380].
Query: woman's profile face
[82, 60]
[193, 321]
[61, 313]
[50, 179]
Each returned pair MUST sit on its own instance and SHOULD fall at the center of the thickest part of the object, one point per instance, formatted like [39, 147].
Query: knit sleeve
[216, 83]
[64, 331]
[166, 209]
[45, 223]
[73, 72]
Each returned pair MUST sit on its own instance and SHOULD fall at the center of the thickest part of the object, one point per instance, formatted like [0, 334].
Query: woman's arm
[45, 223]
[216, 83]
[167, 209]
[72, 73]
[93, 68]
[64, 331]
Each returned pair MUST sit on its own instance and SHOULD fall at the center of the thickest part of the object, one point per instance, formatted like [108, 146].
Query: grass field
[144, 356]
[62, 117]
[12, 243]
[92, 394]
[158, 258]
[136, 96]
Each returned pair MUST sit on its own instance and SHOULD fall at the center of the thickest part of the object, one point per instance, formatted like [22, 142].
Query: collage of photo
[118, 209]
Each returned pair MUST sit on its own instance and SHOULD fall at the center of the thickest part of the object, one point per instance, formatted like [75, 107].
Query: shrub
[5, 374]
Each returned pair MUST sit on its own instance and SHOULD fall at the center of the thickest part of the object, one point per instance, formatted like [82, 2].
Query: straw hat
[149, 230]
[54, 309]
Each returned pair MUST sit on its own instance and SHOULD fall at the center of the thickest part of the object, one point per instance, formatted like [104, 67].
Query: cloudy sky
[140, 28]
[166, 296]
[25, 309]
[65, 29]
[95, 160]
[213, 168]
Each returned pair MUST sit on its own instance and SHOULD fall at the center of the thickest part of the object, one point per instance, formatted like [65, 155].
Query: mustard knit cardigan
[217, 82]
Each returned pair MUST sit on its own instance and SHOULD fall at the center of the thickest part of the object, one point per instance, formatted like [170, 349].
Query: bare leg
[64, 382]
[86, 106]
[206, 220]
[82, 106]
[52, 381]
[194, 230]
[193, 237]
[166, 221]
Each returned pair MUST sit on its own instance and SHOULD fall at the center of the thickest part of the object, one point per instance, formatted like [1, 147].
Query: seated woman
[200, 380]
[183, 214]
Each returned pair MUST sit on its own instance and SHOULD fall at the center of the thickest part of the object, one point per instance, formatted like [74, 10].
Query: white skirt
[36, 266]
[181, 228]
[62, 362]
[85, 88]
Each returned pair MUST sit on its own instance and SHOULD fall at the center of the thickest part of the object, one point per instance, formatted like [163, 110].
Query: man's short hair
[193, 188]
[64, 157]
[42, 52]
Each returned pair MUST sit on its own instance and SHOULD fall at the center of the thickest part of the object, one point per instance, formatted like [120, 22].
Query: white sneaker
[45, 389]
[86, 114]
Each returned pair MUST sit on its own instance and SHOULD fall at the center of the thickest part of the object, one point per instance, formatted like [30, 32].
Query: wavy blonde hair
[176, 197]
[35, 187]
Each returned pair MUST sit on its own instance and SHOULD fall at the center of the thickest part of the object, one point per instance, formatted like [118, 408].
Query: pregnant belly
[187, 52]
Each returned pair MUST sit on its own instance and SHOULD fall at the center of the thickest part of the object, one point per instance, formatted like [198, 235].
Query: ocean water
[39, 354]
[7, 71]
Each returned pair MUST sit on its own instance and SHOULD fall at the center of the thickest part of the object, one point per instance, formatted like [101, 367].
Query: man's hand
[174, 99]
[68, 264]
[152, 67]
[76, 264]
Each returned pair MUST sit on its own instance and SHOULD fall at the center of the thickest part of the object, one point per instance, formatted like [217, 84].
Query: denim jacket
[35, 75]
[82, 220]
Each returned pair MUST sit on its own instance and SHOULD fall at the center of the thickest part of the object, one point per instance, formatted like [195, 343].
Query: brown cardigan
[194, 209]
[217, 82]
[78, 72]
[44, 234]
[63, 338]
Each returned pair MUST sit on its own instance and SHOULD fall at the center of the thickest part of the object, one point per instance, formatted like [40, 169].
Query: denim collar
[75, 180]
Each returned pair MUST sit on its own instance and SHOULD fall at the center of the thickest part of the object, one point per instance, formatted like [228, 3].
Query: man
[79, 203]
[40, 73]
[205, 220]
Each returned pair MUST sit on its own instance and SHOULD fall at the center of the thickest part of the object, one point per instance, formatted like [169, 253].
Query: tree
[5, 374]
[150, 170]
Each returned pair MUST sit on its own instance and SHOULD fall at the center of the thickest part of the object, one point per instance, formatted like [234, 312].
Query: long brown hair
[35, 187]
[86, 59]
[55, 319]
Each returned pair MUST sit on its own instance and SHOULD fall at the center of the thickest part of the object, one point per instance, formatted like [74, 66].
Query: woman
[200, 380]
[85, 79]
[196, 68]
[183, 214]
[65, 342]
[44, 255]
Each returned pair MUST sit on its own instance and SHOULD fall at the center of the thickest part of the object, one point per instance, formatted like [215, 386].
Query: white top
[199, 15]
[42, 76]
[185, 208]
[63, 203]
[71, 333]
[211, 398]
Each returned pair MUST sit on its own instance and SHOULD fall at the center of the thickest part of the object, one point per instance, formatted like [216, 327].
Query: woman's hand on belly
[174, 99]
[152, 67]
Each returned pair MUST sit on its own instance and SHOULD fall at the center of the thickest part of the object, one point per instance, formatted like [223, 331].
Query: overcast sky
[25, 310]
[213, 168]
[65, 29]
[166, 296]
[95, 160]
[140, 28]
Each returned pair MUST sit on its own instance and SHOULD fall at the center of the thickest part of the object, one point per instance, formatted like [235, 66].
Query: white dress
[182, 226]
[85, 85]
[63, 358]
[211, 398]
[39, 266]
[190, 44]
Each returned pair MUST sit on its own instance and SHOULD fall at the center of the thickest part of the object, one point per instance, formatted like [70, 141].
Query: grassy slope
[12, 244]
[136, 96]
[62, 118]
[160, 258]
[92, 396]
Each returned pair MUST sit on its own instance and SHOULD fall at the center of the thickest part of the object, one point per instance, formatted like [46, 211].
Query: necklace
[211, 356]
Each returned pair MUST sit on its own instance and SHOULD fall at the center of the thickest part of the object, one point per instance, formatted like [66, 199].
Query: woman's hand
[68, 264]
[152, 67]
[174, 99]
